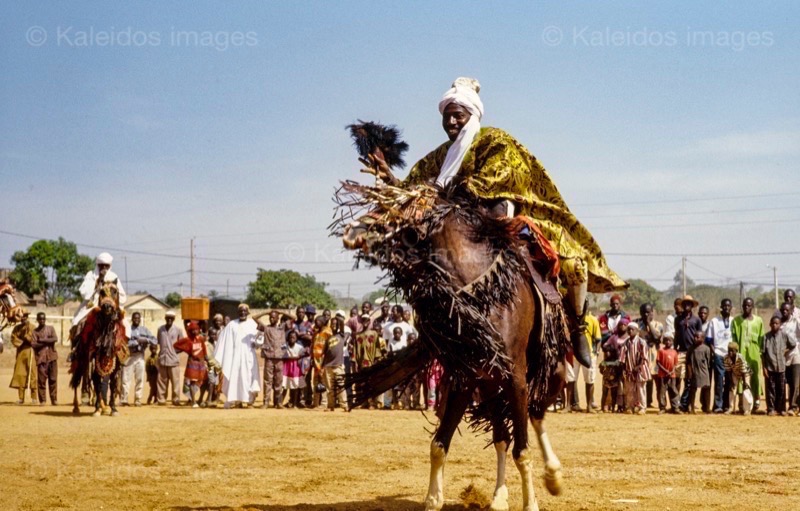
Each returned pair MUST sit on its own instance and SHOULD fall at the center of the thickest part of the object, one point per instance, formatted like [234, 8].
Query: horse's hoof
[76, 411]
[96, 413]
[114, 413]
[553, 479]
[433, 504]
[500, 500]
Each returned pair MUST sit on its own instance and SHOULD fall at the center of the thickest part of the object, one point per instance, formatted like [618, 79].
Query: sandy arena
[178, 458]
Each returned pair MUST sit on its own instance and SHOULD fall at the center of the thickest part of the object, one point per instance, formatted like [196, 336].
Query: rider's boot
[577, 304]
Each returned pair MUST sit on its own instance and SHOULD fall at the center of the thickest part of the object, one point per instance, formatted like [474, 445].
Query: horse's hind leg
[520, 452]
[501, 440]
[456, 405]
[552, 465]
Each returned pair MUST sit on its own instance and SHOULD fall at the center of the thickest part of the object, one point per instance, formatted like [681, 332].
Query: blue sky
[226, 121]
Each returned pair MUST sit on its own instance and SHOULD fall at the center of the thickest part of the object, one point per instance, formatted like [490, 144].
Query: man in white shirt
[791, 327]
[236, 353]
[718, 335]
[397, 321]
[92, 283]
[669, 323]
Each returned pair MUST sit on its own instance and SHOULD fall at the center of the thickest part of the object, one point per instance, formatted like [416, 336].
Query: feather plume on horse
[469, 278]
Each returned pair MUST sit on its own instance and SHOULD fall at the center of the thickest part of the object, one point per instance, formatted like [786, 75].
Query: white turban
[464, 93]
[103, 258]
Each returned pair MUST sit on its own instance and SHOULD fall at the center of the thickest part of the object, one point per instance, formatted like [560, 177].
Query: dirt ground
[178, 458]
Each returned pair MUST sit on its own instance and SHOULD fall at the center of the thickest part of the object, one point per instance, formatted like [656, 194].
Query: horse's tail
[390, 372]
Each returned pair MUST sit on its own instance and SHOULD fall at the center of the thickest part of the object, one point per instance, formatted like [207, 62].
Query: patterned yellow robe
[497, 166]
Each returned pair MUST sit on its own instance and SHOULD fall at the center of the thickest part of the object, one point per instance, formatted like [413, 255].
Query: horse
[10, 312]
[100, 348]
[469, 277]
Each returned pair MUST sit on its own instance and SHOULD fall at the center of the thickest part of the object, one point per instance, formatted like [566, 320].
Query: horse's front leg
[520, 452]
[552, 465]
[75, 409]
[113, 391]
[456, 405]
[97, 386]
[501, 440]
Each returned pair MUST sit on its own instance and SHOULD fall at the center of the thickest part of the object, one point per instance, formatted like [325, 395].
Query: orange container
[194, 308]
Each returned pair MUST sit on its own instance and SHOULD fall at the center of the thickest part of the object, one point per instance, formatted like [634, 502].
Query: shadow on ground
[394, 503]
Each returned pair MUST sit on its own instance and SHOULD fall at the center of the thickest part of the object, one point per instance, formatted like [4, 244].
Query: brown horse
[100, 347]
[464, 271]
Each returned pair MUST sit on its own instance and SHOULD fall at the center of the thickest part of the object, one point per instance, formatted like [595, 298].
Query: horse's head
[108, 298]
[10, 312]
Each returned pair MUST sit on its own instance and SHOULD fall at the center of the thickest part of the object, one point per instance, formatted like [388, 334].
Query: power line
[673, 201]
[689, 213]
[177, 256]
[695, 224]
[720, 254]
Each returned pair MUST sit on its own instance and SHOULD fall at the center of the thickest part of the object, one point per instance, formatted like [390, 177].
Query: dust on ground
[178, 458]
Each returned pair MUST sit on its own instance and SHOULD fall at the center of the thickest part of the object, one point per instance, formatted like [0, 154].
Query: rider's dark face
[454, 118]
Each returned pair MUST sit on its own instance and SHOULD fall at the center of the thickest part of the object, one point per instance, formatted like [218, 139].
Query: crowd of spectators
[689, 363]
[720, 362]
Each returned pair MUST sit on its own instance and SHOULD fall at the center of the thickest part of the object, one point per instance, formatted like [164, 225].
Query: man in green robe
[747, 331]
[496, 167]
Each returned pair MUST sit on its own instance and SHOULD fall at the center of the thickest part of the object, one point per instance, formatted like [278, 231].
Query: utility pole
[191, 268]
[741, 291]
[683, 273]
[228, 287]
[125, 258]
[775, 279]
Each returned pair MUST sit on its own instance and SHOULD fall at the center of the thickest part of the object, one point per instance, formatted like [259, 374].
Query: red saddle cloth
[542, 251]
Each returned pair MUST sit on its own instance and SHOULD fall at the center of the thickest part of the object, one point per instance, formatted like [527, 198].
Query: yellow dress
[497, 166]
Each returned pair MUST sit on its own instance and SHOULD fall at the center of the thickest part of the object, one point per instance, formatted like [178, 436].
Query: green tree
[173, 299]
[677, 283]
[380, 294]
[639, 292]
[284, 288]
[52, 268]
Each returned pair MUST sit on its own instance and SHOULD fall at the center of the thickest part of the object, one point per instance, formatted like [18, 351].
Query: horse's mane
[455, 328]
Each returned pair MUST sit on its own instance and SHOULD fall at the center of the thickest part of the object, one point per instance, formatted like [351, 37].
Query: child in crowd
[434, 378]
[635, 370]
[699, 365]
[213, 383]
[196, 373]
[737, 378]
[666, 381]
[397, 344]
[293, 380]
[611, 369]
[776, 344]
[151, 369]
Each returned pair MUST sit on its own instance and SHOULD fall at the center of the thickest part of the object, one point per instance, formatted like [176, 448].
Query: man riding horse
[496, 168]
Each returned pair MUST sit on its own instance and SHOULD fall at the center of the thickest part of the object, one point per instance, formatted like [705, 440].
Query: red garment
[196, 369]
[666, 359]
[546, 252]
[195, 348]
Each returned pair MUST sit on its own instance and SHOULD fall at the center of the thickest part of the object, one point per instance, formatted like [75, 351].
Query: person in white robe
[91, 285]
[236, 353]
